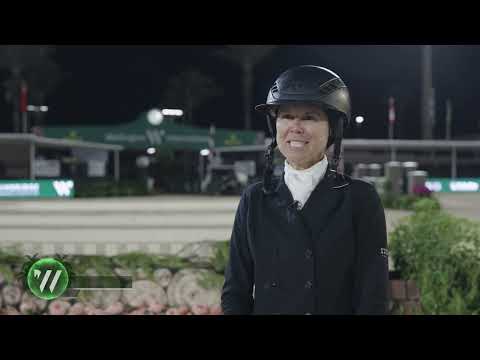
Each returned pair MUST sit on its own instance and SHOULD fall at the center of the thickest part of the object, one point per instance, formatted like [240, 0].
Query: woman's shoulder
[357, 185]
[254, 188]
[364, 193]
[362, 184]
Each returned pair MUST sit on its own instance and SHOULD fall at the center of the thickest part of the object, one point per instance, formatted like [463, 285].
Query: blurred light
[464, 186]
[142, 162]
[205, 152]
[434, 185]
[44, 108]
[172, 112]
[359, 119]
[31, 107]
[155, 117]
[151, 151]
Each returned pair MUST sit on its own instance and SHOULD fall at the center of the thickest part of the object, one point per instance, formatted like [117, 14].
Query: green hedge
[403, 202]
[442, 254]
[105, 265]
[394, 201]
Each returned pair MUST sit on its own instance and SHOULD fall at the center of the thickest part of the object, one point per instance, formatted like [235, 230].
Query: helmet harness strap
[269, 153]
[337, 144]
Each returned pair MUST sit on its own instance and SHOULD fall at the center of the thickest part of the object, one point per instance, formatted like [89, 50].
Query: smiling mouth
[297, 144]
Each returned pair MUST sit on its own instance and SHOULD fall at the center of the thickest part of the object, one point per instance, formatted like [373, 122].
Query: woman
[312, 241]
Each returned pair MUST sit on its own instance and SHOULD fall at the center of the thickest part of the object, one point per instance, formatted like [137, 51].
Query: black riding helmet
[314, 85]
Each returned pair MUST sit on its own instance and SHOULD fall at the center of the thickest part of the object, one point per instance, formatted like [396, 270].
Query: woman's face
[302, 134]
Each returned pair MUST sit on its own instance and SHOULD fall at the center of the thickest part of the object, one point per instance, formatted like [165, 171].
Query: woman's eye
[306, 117]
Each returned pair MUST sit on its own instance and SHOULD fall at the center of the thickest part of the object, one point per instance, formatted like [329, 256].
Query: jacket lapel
[322, 205]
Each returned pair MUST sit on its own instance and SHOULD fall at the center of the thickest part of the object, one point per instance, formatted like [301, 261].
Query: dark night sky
[112, 84]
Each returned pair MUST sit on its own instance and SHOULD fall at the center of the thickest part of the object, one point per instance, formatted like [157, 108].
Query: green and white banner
[63, 188]
[457, 185]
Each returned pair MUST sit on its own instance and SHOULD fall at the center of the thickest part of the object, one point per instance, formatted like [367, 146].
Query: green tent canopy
[140, 134]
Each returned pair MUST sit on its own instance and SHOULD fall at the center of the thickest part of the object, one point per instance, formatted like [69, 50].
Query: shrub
[405, 202]
[441, 253]
[219, 262]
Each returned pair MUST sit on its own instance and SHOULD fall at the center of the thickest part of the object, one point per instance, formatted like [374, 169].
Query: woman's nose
[296, 125]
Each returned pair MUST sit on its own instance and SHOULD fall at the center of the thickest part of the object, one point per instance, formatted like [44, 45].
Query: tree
[16, 58]
[247, 56]
[188, 90]
[30, 64]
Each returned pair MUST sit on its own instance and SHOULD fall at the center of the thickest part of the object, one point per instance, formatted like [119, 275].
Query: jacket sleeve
[371, 275]
[237, 297]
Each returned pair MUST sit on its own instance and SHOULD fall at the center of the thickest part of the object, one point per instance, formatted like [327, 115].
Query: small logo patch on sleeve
[384, 252]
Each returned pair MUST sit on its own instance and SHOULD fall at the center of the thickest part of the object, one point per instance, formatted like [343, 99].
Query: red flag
[23, 97]
[391, 110]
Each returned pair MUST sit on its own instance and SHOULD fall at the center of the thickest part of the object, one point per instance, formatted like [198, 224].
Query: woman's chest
[284, 235]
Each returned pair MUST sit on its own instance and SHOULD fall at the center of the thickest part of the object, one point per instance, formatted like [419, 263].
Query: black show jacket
[330, 257]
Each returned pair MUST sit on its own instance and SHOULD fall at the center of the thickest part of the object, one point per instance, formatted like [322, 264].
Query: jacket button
[273, 284]
[308, 254]
[308, 284]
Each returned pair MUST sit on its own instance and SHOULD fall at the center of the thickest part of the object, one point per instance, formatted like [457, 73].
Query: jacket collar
[331, 182]
[322, 205]
[284, 196]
